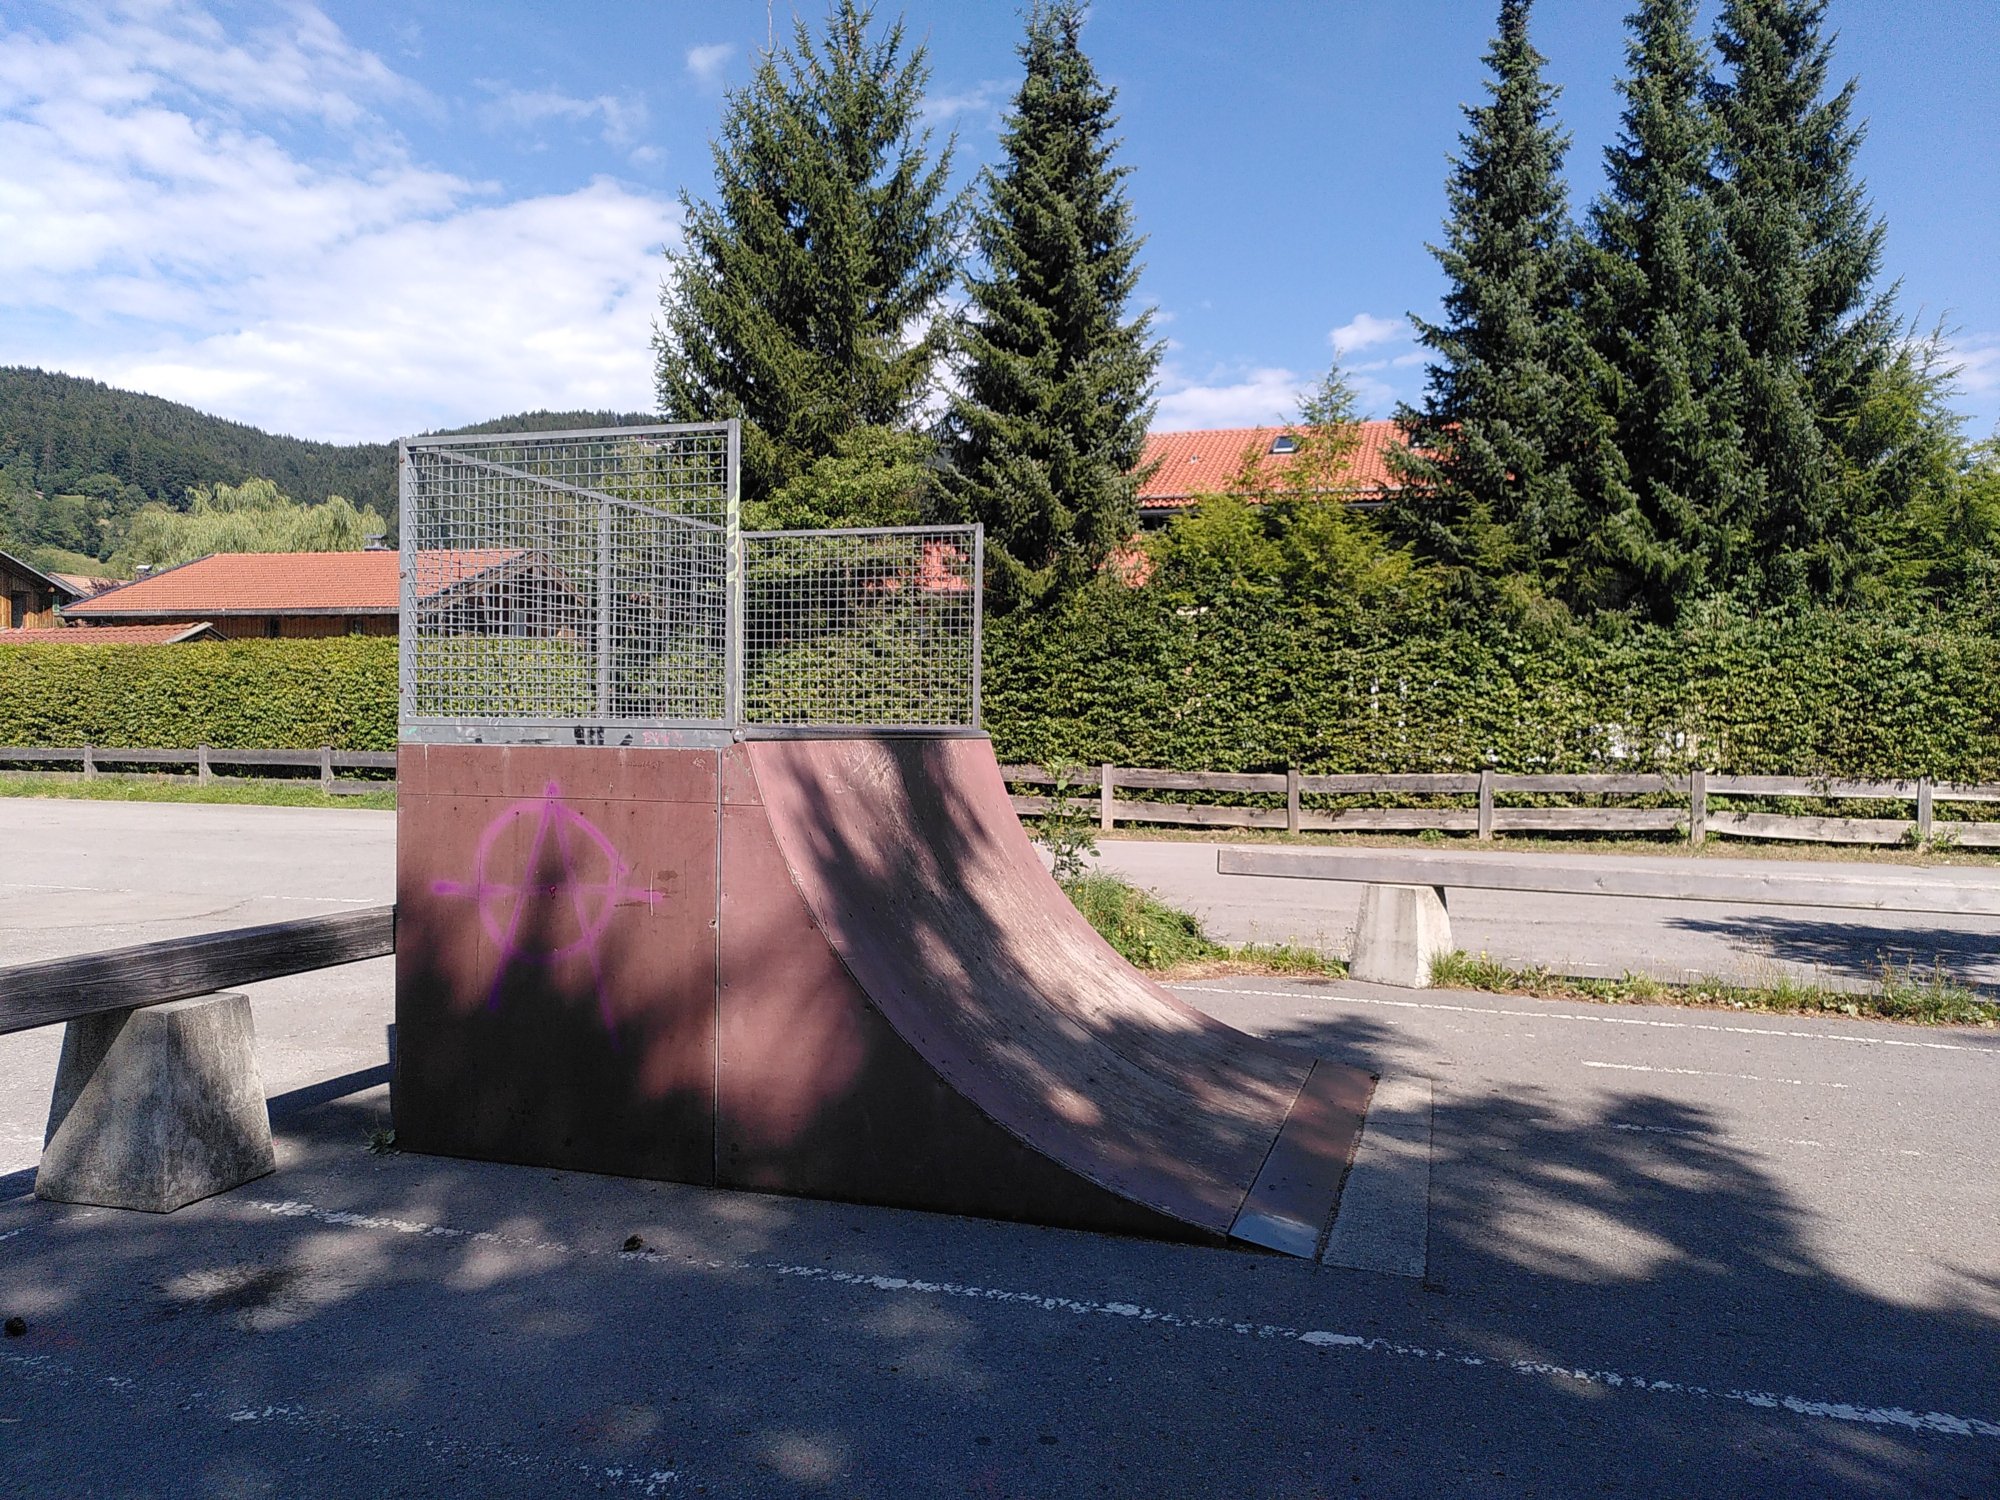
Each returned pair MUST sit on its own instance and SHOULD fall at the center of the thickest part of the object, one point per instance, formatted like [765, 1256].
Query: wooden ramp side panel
[555, 964]
[816, 1094]
[914, 865]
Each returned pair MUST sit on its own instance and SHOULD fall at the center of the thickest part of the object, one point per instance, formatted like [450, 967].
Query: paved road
[1600, 935]
[1664, 1252]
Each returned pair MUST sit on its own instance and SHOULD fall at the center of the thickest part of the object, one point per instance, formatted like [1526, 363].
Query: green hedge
[278, 695]
[1238, 683]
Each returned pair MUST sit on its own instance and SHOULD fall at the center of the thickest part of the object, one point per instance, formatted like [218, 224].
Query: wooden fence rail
[325, 762]
[1478, 808]
[1458, 801]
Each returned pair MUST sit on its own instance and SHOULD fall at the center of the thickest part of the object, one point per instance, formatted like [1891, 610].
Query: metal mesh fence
[581, 585]
[876, 627]
[566, 578]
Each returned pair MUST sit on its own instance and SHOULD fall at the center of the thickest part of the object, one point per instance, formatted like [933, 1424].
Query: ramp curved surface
[914, 866]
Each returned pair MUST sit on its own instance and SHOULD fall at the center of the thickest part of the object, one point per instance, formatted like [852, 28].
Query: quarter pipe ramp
[832, 967]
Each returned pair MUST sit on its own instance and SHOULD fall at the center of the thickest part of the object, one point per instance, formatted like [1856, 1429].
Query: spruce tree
[1809, 341]
[1048, 429]
[1667, 501]
[806, 298]
[1491, 475]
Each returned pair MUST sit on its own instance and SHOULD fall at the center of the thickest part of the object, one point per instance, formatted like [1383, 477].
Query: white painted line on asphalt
[1558, 1015]
[1720, 1139]
[1906, 1417]
[454, 1452]
[1704, 1073]
[1384, 1220]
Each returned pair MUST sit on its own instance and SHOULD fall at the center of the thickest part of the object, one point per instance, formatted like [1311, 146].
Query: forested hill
[61, 435]
[70, 429]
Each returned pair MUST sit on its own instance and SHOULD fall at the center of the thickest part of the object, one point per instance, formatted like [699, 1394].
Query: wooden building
[29, 597]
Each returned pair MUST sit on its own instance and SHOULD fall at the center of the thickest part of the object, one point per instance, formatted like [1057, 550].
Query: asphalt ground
[1663, 1252]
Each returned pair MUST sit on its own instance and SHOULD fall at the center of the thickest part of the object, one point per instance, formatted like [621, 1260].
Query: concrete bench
[158, 1100]
[1405, 924]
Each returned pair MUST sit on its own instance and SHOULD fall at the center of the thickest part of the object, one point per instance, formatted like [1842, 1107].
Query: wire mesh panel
[862, 628]
[566, 580]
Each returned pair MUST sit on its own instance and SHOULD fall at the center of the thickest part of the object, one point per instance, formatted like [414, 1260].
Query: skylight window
[1284, 442]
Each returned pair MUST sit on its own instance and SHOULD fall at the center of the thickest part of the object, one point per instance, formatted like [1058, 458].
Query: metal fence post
[978, 613]
[1104, 788]
[1294, 815]
[732, 574]
[407, 641]
[1486, 802]
[1697, 806]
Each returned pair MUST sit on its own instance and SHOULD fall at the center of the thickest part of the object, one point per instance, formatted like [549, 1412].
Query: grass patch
[1928, 997]
[109, 788]
[1151, 935]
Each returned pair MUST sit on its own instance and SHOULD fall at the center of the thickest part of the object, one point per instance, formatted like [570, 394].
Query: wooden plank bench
[158, 1100]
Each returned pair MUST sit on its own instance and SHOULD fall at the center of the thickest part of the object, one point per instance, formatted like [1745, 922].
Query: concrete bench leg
[1401, 930]
[157, 1106]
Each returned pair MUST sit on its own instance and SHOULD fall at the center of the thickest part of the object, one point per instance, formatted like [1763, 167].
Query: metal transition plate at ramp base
[1290, 1205]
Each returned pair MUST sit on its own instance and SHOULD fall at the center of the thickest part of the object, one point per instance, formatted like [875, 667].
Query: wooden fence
[325, 763]
[1482, 803]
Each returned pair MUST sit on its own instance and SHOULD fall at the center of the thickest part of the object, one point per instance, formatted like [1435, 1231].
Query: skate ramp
[915, 868]
[826, 967]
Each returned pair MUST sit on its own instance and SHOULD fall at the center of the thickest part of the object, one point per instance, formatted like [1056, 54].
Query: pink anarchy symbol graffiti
[588, 870]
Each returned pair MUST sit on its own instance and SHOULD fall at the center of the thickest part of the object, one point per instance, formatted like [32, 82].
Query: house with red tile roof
[1188, 465]
[169, 634]
[306, 595]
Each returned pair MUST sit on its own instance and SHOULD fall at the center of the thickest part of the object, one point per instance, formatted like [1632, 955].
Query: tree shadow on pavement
[1859, 950]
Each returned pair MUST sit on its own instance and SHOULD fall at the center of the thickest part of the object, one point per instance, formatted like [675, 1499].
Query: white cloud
[1257, 398]
[981, 105]
[177, 227]
[1978, 358]
[622, 117]
[1364, 331]
[707, 62]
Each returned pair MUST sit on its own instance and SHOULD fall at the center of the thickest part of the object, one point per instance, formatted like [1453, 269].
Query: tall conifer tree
[1809, 340]
[1491, 478]
[1668, 504]
[1057, 380]
[806, 298]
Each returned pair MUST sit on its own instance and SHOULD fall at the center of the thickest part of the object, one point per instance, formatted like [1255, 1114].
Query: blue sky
[349, 221]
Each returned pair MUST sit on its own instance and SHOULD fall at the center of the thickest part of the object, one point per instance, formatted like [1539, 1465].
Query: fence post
[326, 769]
[89, 764]
[202, 774]
[1923, 809]
[1293, 815]
[1697, 806]
[1104, 819]
[1486, 803]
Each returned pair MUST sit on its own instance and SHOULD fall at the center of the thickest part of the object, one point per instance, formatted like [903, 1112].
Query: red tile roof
[83, 585]
[1192, 464]
[283, 583]
[113, 635]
